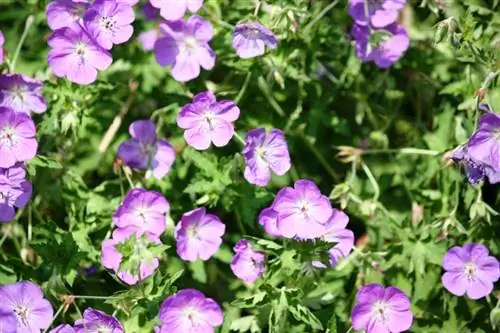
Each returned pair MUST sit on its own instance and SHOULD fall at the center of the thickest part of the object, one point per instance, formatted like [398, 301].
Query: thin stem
[130, 182]
[27, 26]
[321, 159]
[30, 223]
[407, 151]
[239, 138]
[240, 224]
[320, 15]
[94, 297]
[373, 181]
[243, 88]
[55, 317]
[257, 8]
[115, 125]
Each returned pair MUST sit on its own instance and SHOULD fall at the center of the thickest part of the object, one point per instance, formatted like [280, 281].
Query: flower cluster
[377, 36]
[481, 154]
[146, 151]
[82, 35]
[140, 220]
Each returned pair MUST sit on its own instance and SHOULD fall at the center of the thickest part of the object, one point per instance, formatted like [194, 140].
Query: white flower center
[107, 23]
[103, 329]
[304, 206]
[190, 43]
[379, 310]
[22, 313]
[18, 91]
[80, 49]
[8, 136]
[190, 314]
[470, 271]
[209, 117]
[192, 231]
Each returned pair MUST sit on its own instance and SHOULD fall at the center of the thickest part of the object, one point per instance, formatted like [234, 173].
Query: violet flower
[75, 55]
[265, 152]
[390, 48]
[208, 121]
[470, 270]
[65, 13]
[148, 39]
[268, 218]
[302, 211]
[336, 232]
[95, 321]
[63, 328]
[247, 264]
[198, 235]
[184, 46]
[380, 309]
[109, 22]
[17, 138]
[250, 39]
[15, 191]
[381, 13]
[147, 263]
[189, 311]
[150, 12]
[21, 94]
[25, 300]
[175, 10]
[146, 151]
[142, 211]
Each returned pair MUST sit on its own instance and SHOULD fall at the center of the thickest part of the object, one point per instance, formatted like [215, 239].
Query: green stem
[407, 151]
[257, 8]
[27, 26]
[239, 138]
[94, 297]
[373, 181]
[240, 224]
[319, 16]
[486, 83]
[244, 87]
[321, 159]
[55, 317]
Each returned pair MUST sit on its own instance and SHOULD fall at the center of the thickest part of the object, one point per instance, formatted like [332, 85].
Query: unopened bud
[348, 154]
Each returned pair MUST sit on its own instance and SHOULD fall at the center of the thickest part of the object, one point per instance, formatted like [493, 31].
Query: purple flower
[247, 264]
[336, 232]
[250, 39]
[95, 321]
[143, 211]
[381, 13]
[2, 40]
[394, 42]
[150, 12]
[189, 311]
[175, 10]
[15, 191]
[25, 301]
[184, 46]
[146, 262]
[148, 39]
[302, 211]
[484, 144]
[8, 322]
[63, 328]
[207, 121]
[75, 55]
[17, 138]
[380, 309]
[265, 152]
[198, 235]
[109, 22]
[21, 94]
[470, 270]
[65, 13]
[268, 218]
[146, 151]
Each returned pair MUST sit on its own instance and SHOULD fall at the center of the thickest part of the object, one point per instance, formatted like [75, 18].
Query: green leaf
[303, 314]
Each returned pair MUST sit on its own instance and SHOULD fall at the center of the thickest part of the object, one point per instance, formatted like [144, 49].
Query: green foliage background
[407, 206]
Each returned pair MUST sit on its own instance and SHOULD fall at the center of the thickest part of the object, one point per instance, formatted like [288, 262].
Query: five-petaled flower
[95, 321]
[21, 94]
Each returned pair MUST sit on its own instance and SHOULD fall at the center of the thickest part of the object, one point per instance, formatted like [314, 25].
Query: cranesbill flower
[148, 39]
[25, 301]
[207, 121]
[63, 328]
[109, 22]
[65, 13]
[95, 321]
[17, 138]
[470, 270]
[475, 170]
[302, 210]
[190, 311]
[198, 235]
[336, 232]
[250, 40]
[146, 151]
[184, 46]
[8, 322]
[380, 309]
[21, 94]
[143, 211]
[75, 55]
[247, 264]
[2, 40]
[381, 13]
[15, 191]
[146, 263]
[175, 10]
[265, 152]
[393, 43]
[484, 144]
